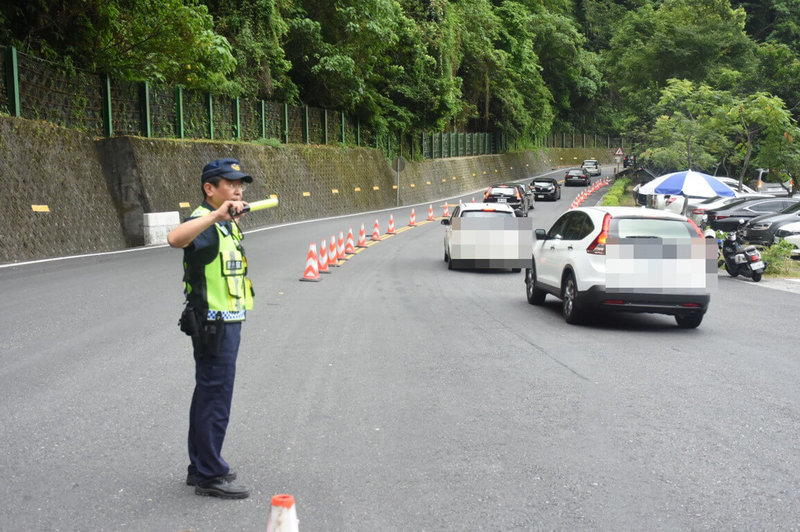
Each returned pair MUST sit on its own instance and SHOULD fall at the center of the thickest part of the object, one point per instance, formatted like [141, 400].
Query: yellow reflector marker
[376, 187]
[273, 196]
[40, 208]
[184, 205]
[444, 179]
[413, 185]
[394, 187]
[357, 189]
[454, 178]
[427, 182]
[306, 194]
[334, 191]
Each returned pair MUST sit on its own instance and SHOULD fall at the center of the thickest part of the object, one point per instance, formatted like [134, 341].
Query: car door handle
[569, 248]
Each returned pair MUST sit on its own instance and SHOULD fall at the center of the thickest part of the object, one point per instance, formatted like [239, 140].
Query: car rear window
[485, 214]
[652, 228]
[502, 191]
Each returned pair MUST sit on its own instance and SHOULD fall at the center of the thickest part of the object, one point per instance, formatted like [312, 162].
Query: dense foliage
[708, 84]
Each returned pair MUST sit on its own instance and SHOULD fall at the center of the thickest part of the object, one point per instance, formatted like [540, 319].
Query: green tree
[171, 41]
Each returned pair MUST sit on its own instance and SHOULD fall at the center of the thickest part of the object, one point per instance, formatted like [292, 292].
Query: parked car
[486, 235]
[577, 176]
[545, 188]
[790, 233]
[591, 167]
[762, 229]
[512, 195]
[733, 184]
[698, 209]
[585, 259]
[727, 218]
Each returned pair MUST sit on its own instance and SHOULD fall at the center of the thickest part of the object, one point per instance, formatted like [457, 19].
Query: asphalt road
[395, 395]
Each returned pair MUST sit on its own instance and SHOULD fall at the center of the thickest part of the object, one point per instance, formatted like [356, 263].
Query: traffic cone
[446, 212]
[473, 199]
[312, 268]
[376, 232]
[340, 247]
[333, 255]
[283, 514]
[430, 213]
[349, 247]
[362, 238]
[413, 221]
[390, 231]
[323, 258]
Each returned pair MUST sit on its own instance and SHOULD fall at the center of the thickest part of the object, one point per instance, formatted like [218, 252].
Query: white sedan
[487, 236]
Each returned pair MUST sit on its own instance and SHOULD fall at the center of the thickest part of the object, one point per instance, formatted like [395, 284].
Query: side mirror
[446, 221]
[541, 234]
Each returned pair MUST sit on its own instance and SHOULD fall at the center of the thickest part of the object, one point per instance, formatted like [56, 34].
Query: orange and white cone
[323, 257]
[390, 231]
[340, 247]
[413, 220]
[362, 238]
[333, 255]
[376, 231]
[473, 199]
[446, 212]
[430, 213]
[283, 514]
[349, 247]
[312, 268]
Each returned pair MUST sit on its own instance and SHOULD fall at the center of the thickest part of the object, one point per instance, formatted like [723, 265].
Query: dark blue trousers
[211, 406]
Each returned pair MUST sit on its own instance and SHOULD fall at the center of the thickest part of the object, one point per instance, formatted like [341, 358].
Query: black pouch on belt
[211, 338]
[190, 322]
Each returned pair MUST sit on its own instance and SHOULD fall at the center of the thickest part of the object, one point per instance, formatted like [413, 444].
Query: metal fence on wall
[38, 89]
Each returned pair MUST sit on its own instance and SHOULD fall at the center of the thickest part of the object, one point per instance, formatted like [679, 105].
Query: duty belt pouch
[211, 337]
[190, 322]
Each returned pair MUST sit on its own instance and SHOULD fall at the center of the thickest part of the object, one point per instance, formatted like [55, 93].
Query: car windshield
[653, 227]
[485, 214]
[791, 208]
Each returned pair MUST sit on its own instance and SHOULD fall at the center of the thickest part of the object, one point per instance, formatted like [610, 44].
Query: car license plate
[757, 265]
[501, 200]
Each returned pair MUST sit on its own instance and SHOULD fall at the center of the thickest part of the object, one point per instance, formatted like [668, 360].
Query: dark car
[513, 195]
[545, 188]
[727, 218]
[762, 229]
[577, 176]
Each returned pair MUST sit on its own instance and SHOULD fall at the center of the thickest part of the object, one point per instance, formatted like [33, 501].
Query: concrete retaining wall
[98, 190]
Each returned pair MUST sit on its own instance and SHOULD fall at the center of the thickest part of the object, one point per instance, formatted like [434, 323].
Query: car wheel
[569, 300]
[689, 321]
[535, 296]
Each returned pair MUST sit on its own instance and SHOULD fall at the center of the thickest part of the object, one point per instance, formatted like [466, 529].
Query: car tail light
[614, 302]
[598, 245]
[719, 216]
[698, 211]
[690, 305]
[697, 229]
[519, 197]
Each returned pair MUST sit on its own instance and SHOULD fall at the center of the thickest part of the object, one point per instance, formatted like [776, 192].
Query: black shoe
[193, 480]
[224, 489]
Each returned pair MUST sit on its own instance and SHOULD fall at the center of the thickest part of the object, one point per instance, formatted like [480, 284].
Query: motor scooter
[741, 260]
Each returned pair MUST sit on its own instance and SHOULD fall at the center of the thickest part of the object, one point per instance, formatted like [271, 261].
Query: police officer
[218, 295]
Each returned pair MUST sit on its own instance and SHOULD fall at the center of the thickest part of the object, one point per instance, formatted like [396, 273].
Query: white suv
[591, 166]
[624, 259]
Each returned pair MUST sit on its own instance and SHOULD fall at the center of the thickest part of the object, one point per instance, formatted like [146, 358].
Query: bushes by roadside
[617, 190]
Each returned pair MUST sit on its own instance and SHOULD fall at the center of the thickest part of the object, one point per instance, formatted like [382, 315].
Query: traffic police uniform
[216, 286]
